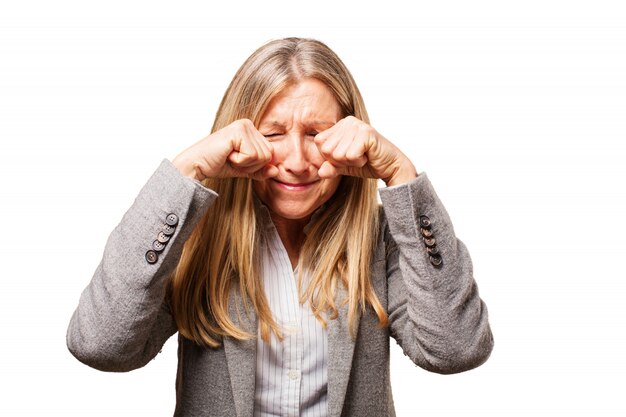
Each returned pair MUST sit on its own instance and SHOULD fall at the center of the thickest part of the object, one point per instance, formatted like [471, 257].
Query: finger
[355, 154]
[257, 142]
[350, 151]
[328, 147]
[322, 136]
[249, 157]
[327, 140]
[241, 160]
[266, 147]
[327, 171]
[258, 171]
[268, 171]
[262, 147]
[338, 153]
[249, 141]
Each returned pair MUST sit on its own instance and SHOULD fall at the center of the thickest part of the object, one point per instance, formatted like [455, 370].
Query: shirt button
[293, 374]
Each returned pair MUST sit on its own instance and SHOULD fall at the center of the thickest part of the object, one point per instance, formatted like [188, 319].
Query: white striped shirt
[291, 376]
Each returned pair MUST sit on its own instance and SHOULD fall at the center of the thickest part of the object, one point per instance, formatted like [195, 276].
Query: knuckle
[327, 149]
[365, 128]
[243, 123]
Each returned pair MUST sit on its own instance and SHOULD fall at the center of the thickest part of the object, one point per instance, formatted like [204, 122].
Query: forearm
[121, 320]
[436, 312]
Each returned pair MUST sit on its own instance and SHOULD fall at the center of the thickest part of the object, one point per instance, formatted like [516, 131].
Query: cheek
[315, 156]
[260, 189]
[334, 184]
[280, 151]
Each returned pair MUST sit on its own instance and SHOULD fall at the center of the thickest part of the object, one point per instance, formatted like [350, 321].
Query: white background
[516, 110]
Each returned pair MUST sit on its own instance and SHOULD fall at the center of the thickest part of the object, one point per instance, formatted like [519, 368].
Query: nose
[296, 158]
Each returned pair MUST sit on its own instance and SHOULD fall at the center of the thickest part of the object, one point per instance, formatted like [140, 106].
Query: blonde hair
[223, 250]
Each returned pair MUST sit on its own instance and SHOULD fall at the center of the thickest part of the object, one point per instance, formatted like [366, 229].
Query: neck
[292, 235]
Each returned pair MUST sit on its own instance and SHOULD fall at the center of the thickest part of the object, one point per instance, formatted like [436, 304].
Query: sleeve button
[425, 222]
[168, 230]
[436, 260]
[171, 219]
[162, 237]
[151, 257]
[430, 241]
[158, 246]
[426, 232]
[433, 250]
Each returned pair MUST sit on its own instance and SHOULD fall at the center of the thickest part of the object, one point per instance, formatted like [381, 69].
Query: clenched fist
[237, 150]
[350, 147]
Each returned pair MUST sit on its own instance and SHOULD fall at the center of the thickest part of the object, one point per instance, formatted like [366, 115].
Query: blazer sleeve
[436, 314]
[122, 319]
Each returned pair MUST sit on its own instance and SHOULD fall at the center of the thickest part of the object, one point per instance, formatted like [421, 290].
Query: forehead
[307, 102]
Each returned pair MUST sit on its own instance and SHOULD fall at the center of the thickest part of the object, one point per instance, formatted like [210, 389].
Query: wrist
[404, 174]
[187, 167]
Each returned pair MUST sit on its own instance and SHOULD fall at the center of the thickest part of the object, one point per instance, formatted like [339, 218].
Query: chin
[293, 214]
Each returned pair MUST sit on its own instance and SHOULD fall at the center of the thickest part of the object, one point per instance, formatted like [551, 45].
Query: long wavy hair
[224, 248]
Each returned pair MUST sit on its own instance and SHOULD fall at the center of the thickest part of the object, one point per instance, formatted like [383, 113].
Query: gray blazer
[436, 314]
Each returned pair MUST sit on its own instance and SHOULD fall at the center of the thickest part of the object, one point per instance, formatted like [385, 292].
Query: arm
[122, 319]
[435, 311]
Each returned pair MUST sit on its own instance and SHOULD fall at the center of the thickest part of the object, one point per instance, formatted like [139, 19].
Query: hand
[237, 150]
[352, 147]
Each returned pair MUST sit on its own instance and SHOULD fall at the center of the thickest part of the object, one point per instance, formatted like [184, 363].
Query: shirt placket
[292, 342]
[293, 350]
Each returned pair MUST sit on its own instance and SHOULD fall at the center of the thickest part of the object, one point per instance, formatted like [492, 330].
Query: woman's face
[290, 123]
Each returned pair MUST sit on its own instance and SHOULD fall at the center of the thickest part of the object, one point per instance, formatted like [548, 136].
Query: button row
[164, 235]
[431, 243]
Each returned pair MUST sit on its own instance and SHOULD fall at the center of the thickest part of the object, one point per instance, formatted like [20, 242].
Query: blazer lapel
[241, 356]
[340, 352]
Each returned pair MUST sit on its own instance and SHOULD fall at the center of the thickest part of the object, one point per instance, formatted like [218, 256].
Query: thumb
[268, 171]
[327, 170]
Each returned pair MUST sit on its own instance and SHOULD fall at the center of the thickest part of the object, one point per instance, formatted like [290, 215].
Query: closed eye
[271, 135]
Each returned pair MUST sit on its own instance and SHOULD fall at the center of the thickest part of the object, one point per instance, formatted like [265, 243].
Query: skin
[290, 124]
[297, 156]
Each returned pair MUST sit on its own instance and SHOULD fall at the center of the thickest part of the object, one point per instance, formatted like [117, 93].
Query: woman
[264, 246]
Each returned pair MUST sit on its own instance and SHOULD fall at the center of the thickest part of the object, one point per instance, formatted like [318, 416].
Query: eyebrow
[313, 123]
